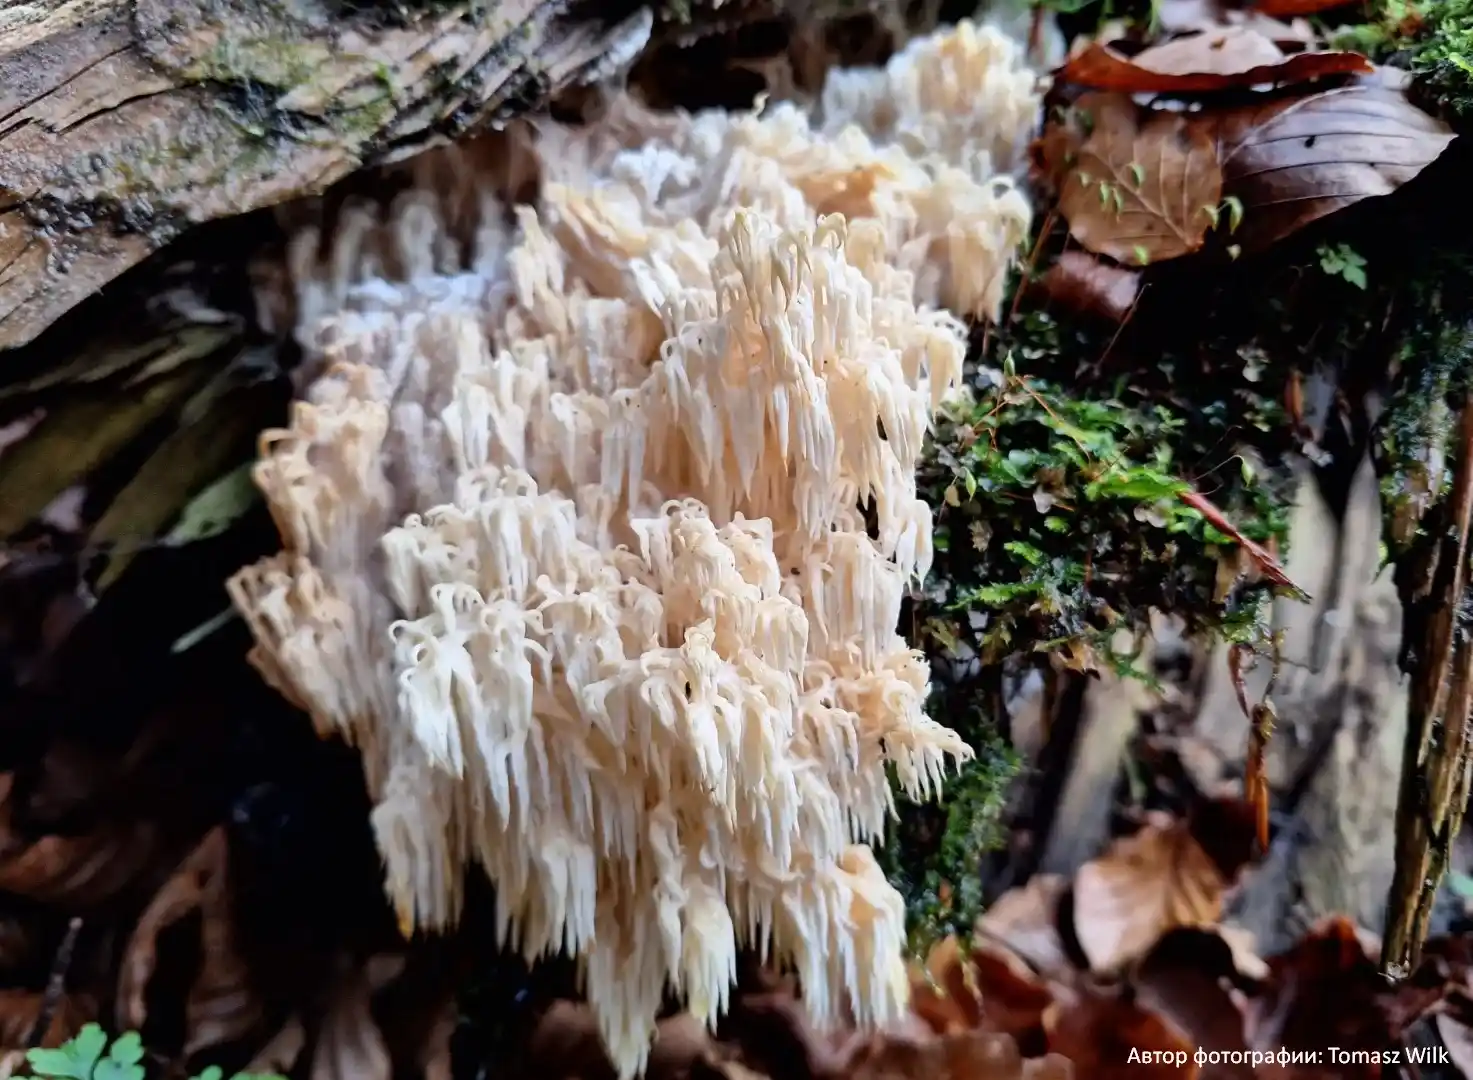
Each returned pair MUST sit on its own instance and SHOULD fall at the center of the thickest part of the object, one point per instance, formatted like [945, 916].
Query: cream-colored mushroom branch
[575, 547]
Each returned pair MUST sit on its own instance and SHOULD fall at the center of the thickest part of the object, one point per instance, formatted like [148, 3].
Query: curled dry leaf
[1145, 185]
[20, 1009]
[435, 1061]
[18, 945]
[774, 1035]
[1186, 16]
[1185, 978]
[74, 872]
[566, 1044]
[1079, 282]
[41, 602]
[982, 990]
[1170, 874]
[1256, 559]
[1026, 920]
[280, 1055]
[220, 1004]
[1458, 1038]
[1097, 1034]
[1053, 155]
[968, 1055]
[1288, 9]
[349, 1043]
[1206, 62]
[1292, 161]
[1327, 991]
[768, 1036]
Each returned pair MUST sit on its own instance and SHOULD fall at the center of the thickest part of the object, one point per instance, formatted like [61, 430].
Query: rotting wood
[1435, 776]
[125, 122]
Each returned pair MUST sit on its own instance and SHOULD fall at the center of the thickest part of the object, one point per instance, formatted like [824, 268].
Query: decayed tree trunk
[124, 122]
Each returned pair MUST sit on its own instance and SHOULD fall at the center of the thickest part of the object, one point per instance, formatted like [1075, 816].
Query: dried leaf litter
[574, 547]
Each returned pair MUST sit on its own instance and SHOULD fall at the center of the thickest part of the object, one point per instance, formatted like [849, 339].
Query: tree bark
[125, 122]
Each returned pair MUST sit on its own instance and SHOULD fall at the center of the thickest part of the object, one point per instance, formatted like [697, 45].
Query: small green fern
[82, 1058]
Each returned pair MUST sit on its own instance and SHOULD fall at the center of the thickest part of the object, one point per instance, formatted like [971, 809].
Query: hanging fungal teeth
[574, 553]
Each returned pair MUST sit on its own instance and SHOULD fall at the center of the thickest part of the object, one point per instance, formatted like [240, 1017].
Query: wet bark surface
[125, 122]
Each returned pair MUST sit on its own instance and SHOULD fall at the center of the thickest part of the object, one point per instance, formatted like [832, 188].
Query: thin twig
[55, 983]
[1026, 277]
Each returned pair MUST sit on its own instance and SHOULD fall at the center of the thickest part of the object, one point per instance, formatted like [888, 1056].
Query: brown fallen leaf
[220, 1004]
[1290, 162]
[1080, 283]
[777, 1036]
[982, 990]
[41, 603]
[1458, 1038]
[1259, 559]
[1187, 16]
[1053, 155]
[20, 1009]
[76, 872]
[1145, 185]
[1288, 9]
[1207, 62]
[1185, 979]
[349, 1043]
[968, 1055]
[1327, 991]
[279, 1056]
[435, 1060]
[1026, 920]
[566, 1044]
[1170, 874]
[18, 945]
[1097, 1033]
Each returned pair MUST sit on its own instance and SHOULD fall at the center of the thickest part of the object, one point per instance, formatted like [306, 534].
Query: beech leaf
[1186, 16]
[1288, 9]
[1116, 1039]
[1026, 919]
[1079, 282]
[1233, 57]
[1170, 874]
[1145, 185]
[1326, 991]
[1291, 162]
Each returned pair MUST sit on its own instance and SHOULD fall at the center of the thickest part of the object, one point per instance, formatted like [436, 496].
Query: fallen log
[125, 122]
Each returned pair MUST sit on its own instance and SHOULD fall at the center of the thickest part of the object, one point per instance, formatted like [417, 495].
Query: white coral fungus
[574, 547]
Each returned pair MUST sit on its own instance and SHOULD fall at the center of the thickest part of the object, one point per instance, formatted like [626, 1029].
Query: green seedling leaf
[190, 638]
[108, 1069]
[1235, 212]
[211, 512]
[74, 1059]
[127, 1049]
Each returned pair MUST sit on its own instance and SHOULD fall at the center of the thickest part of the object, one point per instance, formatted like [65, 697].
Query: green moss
[1443, 58]
[1433, 375]
[1432, 38]
[277, 63]
[1061, 519]
[934, 853]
